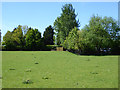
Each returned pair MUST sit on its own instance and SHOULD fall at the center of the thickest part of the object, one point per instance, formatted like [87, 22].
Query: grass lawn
[0, 70]
[52, 69]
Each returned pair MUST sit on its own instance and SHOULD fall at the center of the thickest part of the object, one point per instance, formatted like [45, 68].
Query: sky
[42, 14]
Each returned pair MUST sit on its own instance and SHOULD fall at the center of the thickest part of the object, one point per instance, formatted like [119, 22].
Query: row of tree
[100, 36]
[24, 38]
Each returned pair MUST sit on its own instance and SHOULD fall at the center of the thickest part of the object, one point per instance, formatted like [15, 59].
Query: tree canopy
[16, 40]
[100, 36]
[48, 36]
[65, 23]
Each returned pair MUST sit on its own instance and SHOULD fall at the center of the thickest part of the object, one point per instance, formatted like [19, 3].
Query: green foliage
[48, 36]
[99, 35]
[33, 39]
[65, 23]
[17, 35]
[9, 41]
[0, 36]
[51, 47]
[30, 40]
[71, 42]
[14, 40]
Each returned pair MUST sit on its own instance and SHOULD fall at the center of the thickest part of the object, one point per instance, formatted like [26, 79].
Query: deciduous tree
[65, 23]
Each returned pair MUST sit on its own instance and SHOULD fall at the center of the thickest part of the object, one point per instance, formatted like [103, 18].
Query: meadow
[58, 69]
[0, 70]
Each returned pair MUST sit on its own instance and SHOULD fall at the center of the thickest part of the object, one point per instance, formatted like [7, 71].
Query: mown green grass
[58, 70]
[0, 70]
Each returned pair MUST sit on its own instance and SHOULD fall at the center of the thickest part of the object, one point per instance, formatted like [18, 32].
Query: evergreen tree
[48, 36]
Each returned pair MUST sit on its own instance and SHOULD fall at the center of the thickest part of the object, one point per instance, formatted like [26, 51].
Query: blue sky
[42, 14]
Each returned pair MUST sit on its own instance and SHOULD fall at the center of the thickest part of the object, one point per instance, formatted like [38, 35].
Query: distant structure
[59, 48]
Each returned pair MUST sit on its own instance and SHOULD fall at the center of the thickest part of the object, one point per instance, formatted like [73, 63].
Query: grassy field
[0, 70]
[51, 69]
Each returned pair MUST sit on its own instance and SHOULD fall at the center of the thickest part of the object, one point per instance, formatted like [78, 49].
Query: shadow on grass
[90, 54]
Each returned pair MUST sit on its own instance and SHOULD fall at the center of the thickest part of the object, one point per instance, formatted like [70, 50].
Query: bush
[51, 47]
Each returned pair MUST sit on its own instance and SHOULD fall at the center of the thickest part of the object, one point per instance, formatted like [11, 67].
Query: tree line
[100, 36]
[27, 38]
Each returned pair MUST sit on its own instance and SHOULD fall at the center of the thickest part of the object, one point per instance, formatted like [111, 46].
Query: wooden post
[59, 48]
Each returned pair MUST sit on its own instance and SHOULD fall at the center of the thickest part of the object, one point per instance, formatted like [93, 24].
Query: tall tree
[38, 41]
[20, 40]
[48, 36]
[65, 23]
[30, 39]
[33, 39]
[101, 33]
[9, 41]
[17, 34]
[14, 40]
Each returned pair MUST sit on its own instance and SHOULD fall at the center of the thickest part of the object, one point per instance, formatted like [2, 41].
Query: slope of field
[0, 70]
[52, 69]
